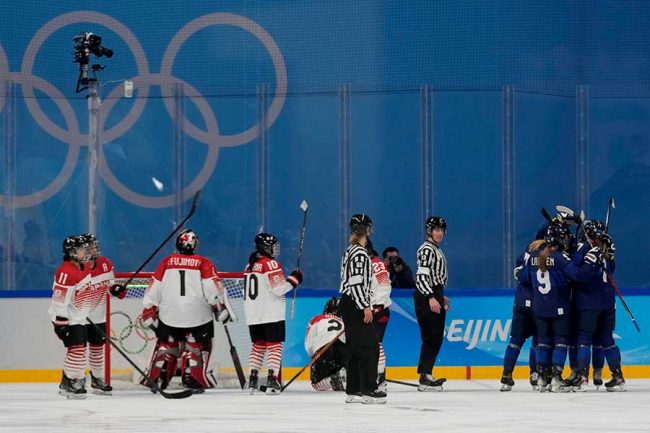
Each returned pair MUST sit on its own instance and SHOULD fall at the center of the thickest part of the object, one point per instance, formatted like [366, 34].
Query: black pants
[432, 329]
[363, 350]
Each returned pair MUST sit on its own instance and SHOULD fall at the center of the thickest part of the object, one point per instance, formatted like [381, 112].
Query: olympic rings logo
[72, 135]
[132, 327]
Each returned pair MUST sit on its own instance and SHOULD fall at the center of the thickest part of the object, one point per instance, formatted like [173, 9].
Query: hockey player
[356, 311]
[523, 325]
[549, 272]
[183, 294]
[381, 288]
[102, 276]
[430, 302]
[328, 372]
[265, 287]
[596, 307]
[68, 312]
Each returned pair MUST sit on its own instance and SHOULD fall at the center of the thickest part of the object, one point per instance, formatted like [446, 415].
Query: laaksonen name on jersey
[184, 261]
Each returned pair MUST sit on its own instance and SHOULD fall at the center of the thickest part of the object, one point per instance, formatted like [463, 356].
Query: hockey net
[124, 319]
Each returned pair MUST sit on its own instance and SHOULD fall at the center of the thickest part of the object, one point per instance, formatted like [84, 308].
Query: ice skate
[428, 383]
[374, 397]
[381, 382]
[557, 383]
[253, 381]
[353, 398]
[506, 381]
[99, 387]
[598, 378]
[617, 384]
[534, 380]
[72, 388]
[272, 385]
[337, 381]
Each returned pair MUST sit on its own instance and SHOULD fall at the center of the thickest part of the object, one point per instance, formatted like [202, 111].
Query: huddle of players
[79, 291]
[566, 303]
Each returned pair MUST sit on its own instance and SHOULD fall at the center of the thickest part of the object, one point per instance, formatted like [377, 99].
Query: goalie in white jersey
[265, 288]
[183, 295]
[328, 372]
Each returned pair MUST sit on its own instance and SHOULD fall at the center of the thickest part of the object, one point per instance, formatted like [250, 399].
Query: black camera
[88, 43]
[395, 261]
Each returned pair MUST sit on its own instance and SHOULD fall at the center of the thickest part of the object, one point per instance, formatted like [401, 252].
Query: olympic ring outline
[75, 139]
[126, 333]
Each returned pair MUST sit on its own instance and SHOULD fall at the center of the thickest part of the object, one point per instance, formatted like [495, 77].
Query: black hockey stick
[437, 382]
[610, 205]
[153, 385]
[305, 207]
[235, 359]
[546, 216]
[195, 204]
[313, 359]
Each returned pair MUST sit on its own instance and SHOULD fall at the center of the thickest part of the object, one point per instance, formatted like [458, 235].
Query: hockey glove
[295, 277]
[221, 313]
[608, 246]
[118, 290]
[61, 327]
[150, 316]
[593, 256]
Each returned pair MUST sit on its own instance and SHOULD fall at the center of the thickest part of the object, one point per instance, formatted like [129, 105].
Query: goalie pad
[163, 364]
[194, 364]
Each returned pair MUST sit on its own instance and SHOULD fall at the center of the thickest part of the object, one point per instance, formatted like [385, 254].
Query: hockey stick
[620, 296]
[438, 382]
[313, 359]
[154, 386]
[305, 207]
[611, 205]
[195, 204]
[546, 216]
[235, 359]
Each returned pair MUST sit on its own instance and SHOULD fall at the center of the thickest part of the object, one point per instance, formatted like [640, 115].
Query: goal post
[124, 327]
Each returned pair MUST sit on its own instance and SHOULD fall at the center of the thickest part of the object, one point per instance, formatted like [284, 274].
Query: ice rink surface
[464, 406]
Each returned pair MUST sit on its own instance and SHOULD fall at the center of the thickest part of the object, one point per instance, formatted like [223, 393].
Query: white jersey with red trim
[184, 288]
[321, 330]
[264, 292]
[72, 297]
[102, 278]
[380, 283]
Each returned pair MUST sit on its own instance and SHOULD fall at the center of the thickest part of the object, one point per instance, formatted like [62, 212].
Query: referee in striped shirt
[356, 312]
[430, 302]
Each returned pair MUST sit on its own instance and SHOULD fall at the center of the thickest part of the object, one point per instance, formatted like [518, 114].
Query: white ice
[464, 406]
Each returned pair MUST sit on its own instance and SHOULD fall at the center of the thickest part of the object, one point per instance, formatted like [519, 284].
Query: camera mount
[88, 43]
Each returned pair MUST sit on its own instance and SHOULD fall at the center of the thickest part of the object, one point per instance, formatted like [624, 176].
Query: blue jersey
[595, 292]
[524, 293]
[552, 288]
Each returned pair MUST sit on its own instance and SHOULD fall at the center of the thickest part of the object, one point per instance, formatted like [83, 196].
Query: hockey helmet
[267, 244]
[594, 229]
[332, 306]
[435, 222]
[93, 244]
[361, 224]
[558, 235]
[187, 242]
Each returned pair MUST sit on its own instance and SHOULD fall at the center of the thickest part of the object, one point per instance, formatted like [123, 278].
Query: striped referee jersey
[431, 275]
[356, 274]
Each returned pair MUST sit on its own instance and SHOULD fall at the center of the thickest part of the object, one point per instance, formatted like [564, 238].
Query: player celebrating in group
[328, 372]
[265, 288]
[183, 294]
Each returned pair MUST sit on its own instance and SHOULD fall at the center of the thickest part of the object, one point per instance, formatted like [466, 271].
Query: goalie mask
[361, 224]
[435, 222]
[267, 245]
[187, 242]
[332, 306]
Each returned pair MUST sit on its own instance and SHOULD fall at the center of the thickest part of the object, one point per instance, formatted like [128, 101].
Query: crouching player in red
[183, 295]
[328, 372]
